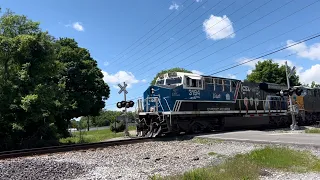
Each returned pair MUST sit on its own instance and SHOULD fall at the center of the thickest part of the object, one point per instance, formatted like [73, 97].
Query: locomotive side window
[208, 80]
[193, 83]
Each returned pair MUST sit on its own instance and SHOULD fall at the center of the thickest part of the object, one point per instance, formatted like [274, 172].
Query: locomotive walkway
[265, 137]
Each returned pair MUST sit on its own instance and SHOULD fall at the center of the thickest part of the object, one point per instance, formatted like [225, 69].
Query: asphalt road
[297, 138]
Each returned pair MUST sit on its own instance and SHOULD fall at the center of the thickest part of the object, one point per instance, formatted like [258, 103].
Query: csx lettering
[194, 92]
[245, 88]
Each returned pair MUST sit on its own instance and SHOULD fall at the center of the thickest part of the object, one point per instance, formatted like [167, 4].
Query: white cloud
[144, 80]
[312, 52]
[232, 76]
[106, 63]
[198, 0]
[116, 87]
[120, 77]
[77, 26]
[218, 27]
[310, 75]
[78, 118]
[197, 72]
[174, 6]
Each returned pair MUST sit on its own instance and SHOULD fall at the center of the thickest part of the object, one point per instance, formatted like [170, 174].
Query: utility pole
[293, 126]
[123, 89]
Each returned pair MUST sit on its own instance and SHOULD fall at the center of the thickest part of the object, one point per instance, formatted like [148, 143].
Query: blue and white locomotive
[192, 103]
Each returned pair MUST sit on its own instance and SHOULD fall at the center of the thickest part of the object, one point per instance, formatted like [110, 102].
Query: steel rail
[72, 147]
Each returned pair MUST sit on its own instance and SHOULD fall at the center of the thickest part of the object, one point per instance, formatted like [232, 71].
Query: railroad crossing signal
[289, 92]
[125, 104]
[123, 88]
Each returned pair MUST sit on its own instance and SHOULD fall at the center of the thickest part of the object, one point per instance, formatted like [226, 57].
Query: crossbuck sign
[125, 92]
[123, 88]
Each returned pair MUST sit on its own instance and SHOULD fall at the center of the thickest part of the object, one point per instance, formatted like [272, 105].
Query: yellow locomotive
[308, 105]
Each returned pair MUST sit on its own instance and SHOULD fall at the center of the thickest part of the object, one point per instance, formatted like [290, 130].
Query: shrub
[119, 127]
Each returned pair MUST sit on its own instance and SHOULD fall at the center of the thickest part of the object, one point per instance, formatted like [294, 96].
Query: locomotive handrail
[274, 105]
[265, 104]
[157, 102]
[160, 103]
[167, 104]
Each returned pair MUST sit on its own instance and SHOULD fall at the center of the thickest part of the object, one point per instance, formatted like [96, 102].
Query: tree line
[44, 83]
[105, 118]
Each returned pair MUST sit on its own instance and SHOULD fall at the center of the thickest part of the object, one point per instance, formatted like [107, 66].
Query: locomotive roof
[207, 76]
[198, 75]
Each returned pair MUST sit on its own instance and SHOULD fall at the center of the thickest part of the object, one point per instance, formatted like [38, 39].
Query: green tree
[268, 71]
[314, 85]
[27, 91]
[167, 71]
[73, 123]
[44, 83]
[82, 80]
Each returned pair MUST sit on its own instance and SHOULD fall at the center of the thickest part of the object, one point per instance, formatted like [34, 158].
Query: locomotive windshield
[160, 82]
[176, 80]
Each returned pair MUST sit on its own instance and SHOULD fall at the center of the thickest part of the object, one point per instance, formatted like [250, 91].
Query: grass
[313, 130]
[93, 136]
[206, 140]
[285, 159]
[216, 154]
[249, 166]
[212, 153]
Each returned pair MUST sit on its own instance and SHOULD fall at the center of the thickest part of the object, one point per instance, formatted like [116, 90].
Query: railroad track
[65, 148]
[75, 147]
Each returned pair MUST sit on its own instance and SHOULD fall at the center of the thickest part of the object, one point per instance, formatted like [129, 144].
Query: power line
[258, 59]
[273, 52]
[255, 31]
[178, 31]
[161, 28]
[191, 32]
[268, 40]
[146, 33]
[267, 54]
[219, 39]
[244, 37]
[294, 13]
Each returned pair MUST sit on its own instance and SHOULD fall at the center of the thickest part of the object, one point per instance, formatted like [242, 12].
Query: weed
[248, 166]
[313, 130]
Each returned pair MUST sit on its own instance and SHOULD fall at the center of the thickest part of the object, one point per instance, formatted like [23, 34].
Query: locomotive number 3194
[194, 92]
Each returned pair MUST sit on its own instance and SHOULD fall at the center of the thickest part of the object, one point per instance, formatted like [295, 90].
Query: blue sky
[193, 30]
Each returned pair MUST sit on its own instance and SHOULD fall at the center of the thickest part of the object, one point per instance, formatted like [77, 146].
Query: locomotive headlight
[281, 93]
[151, 109]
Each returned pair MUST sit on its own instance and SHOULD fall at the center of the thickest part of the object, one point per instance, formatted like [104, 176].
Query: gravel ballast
[133, 161]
